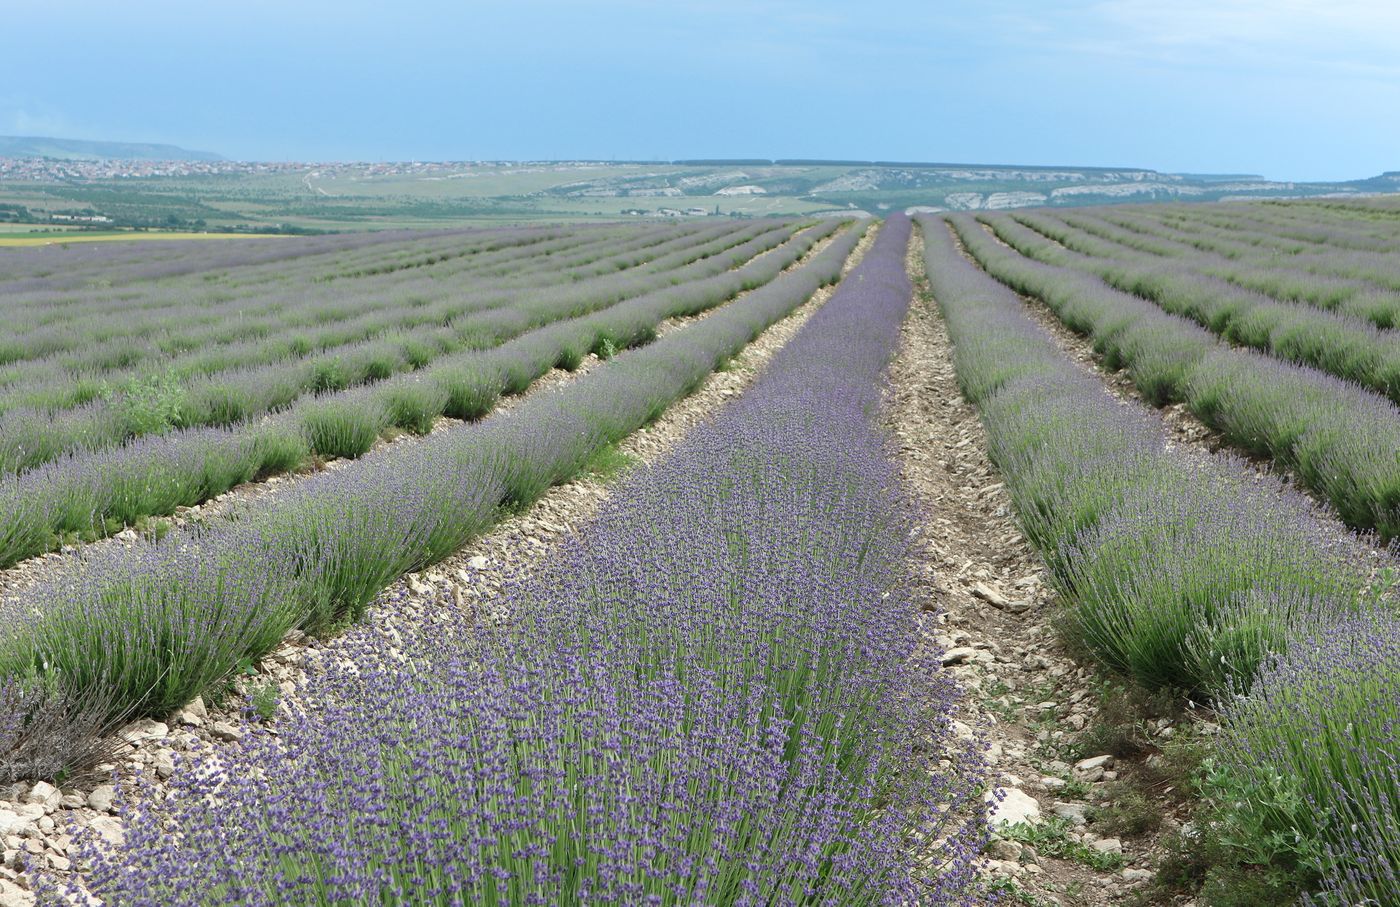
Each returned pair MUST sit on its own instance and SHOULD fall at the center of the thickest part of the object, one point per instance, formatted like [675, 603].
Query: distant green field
[14, 238]
[32, 228]
[354, 197]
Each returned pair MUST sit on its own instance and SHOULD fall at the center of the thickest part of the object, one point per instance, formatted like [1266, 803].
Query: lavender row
[1290, 280]
[161, 308]
[1345, 347]
[1358, 305]
[94, 494]
[1269, 273]
[29, 437]
[340, 334]
[35, 312]
[1183, 571]
[1340, 439]
[60, 268]
[1309, 764]
[1193, 573]
[157, 323]
[142, 633]
[195, 339]
[713, 695]
[1361, 283]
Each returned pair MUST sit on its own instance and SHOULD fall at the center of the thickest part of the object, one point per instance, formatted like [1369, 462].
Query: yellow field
[45, 239]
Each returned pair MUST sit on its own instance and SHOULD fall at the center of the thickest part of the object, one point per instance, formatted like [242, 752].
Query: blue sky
[1292, 89]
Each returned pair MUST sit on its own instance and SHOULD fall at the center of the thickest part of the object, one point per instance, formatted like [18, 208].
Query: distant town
[42, 169]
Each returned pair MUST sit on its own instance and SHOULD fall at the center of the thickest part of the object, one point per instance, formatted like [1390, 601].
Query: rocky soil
[1025, 694]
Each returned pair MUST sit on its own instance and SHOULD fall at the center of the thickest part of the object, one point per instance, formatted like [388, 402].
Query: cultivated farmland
[1025, 557]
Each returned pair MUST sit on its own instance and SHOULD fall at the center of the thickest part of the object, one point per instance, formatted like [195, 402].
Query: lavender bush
[1315, 747]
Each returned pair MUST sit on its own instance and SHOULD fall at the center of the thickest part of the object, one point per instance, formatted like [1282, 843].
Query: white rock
[1107, 845]
[1071, 811]
[1016, 806]
[958, 655]
[1137, 875]
[102, 797]
[146, 729]
[42, 793]
[997, 600]
[1088, 765]
[11, 895]
[12, 823]
[225, 731]
[109, 829]
[193, 714]
[477, 563]
[1005, 850]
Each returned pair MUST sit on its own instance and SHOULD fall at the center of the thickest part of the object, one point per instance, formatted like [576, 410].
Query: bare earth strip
[1024, 694]
[460, 588]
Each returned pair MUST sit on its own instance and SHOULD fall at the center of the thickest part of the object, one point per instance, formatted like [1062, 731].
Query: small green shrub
[262, 700]
[147, 406]
[329, 375]
[337, 428]
[470, 393]
[413, 407]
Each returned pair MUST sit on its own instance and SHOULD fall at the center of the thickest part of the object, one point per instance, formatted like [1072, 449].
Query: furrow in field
[1026, 696]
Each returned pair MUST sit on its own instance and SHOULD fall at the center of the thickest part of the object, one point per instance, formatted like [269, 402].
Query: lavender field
[1032, 557]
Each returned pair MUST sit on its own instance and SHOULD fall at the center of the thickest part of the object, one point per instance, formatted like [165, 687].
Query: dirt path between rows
[468, 583]
[1024, 693]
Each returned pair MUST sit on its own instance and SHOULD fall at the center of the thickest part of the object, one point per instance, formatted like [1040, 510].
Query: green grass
[1050, 837]
[608, 462]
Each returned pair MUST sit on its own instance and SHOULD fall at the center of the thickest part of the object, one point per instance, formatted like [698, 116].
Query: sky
[1290, 89]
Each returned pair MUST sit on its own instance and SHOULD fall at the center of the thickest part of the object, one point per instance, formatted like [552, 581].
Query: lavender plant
[93, 493]
[1313, 755]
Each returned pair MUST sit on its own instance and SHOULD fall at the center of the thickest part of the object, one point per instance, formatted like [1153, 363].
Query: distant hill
[82, 150]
